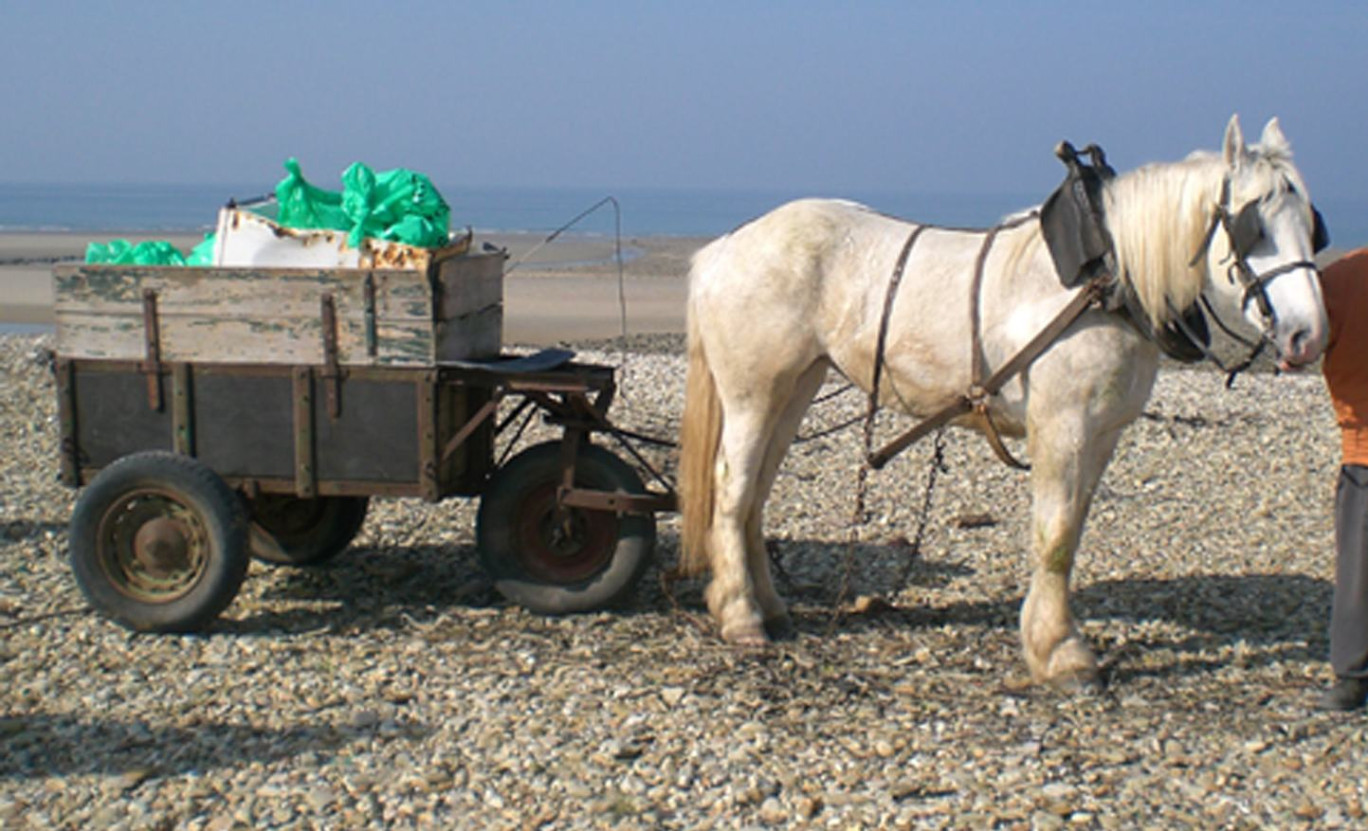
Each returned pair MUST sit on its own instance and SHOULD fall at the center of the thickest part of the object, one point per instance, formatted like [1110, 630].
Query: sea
[167, 208]
[642, 211]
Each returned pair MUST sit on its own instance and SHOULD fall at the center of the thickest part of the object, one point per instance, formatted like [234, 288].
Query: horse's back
[800, 230]
[788, 253]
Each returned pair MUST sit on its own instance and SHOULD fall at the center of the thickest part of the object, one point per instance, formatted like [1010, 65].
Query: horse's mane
[1158, 216]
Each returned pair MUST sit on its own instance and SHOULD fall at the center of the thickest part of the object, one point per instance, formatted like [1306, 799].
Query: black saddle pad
[543, 361]
[1072, 219]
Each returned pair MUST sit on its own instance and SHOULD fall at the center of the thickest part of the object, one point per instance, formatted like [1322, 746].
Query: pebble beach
[395, 688]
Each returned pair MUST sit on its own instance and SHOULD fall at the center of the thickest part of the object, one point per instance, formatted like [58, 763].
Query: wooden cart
[215, 414]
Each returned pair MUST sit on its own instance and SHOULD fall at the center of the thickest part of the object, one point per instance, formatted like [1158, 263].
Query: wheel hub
[152, 547]
[162, 546]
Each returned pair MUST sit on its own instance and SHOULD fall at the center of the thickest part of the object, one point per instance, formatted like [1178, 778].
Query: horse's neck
[1157, 216]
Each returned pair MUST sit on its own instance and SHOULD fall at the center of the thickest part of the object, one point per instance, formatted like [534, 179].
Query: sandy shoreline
[567, 290]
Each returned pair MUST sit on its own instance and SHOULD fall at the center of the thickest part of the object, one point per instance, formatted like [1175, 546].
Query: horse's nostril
[1299, 339]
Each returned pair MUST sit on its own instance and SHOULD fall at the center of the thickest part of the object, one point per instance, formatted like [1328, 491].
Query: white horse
[776, 303]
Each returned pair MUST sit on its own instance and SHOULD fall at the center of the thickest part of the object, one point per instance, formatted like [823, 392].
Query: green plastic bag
[302, 205]
[202, 254]
[152, 252]
[397, 205]
[122, 252]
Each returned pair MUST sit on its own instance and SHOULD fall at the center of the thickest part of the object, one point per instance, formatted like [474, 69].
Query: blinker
[1320, 234]
[1247, 229]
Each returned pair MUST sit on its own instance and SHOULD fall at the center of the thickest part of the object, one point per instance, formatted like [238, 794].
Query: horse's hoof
[751, 634]
[780, 628]
[1071, 667]
[1079, 682]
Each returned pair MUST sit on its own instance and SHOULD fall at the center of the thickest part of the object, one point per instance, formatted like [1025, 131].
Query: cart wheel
[287, 530]
[158, 543]
[589, 561]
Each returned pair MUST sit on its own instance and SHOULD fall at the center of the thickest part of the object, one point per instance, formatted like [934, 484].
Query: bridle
[1244, 229]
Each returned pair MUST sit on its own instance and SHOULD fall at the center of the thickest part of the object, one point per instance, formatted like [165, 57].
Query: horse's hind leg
[731, 592]
[772, 607]
[758, 423]
[1068, 457]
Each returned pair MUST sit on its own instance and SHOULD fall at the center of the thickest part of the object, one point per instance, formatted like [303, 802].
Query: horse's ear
[1273, 140]
[1234, 148]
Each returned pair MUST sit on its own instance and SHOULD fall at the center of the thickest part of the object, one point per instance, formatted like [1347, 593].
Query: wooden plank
[233, 319]
[255, 315]
[257, 295]
[469, 308]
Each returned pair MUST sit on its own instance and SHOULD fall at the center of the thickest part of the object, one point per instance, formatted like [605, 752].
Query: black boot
[1345, 694]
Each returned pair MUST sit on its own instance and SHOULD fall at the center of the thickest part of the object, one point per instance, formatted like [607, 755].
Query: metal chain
[938, 467]
[859, 517]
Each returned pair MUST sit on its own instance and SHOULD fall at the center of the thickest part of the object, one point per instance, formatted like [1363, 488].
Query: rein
[981, 389]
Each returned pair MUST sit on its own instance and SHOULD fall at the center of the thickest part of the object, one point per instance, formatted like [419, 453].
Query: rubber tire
[503, 525]
[335, 523]
[204, 498]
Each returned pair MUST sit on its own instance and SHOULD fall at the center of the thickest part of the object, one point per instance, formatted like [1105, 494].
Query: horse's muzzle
[1301, 347]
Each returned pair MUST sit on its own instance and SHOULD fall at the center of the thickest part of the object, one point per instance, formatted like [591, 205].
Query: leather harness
[1242, 232]
[981, 389]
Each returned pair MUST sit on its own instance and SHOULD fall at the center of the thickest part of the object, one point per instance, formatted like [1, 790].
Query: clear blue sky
[902, 96]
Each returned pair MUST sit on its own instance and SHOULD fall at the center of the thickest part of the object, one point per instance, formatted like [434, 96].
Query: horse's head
[1259, 245]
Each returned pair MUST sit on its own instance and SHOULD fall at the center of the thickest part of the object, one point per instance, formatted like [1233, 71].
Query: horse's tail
[700, 430]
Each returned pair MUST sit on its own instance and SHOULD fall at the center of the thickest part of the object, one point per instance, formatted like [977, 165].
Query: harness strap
[977, 395]
[1090, 294]
[1231, 372]
[893, 283]
[981, 389]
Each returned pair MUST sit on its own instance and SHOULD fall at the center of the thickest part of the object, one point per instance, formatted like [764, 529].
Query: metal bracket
[152, 365]
[372, 337]
[182, 412]
[332, 373]
[615, 502]
[306, 471]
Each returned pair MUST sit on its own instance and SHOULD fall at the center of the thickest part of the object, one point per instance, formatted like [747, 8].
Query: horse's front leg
[1068, 456]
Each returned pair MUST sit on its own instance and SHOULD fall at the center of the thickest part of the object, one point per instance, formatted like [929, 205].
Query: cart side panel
[283, 429]
[374, 436]
[112, 415]
[243, 421]
[243, 315]
[451, 310]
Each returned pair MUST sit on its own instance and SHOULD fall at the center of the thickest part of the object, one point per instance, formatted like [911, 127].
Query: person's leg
[1349, 614]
